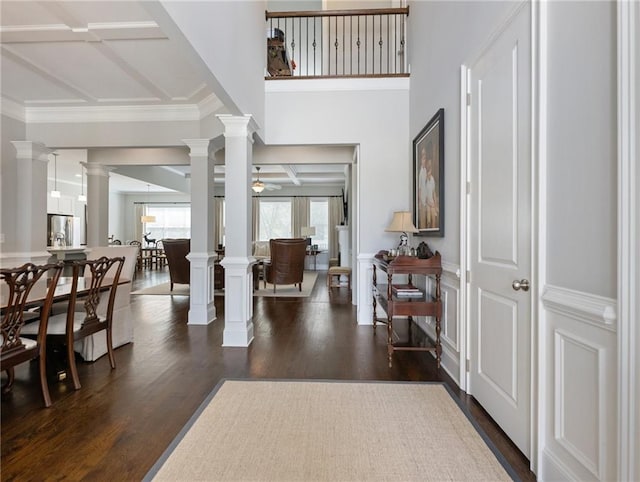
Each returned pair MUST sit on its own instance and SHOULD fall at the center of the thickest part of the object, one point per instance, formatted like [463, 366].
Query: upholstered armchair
[177, 251]
[287, 262]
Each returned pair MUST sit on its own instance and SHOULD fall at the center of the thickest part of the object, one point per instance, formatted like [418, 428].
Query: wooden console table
[405, 306]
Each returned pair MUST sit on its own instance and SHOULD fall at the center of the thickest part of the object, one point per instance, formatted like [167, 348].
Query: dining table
[62, 292]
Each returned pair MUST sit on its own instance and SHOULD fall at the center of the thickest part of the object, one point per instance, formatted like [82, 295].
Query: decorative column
[202, 310]
[238, 275]
[24, 201]
[97, 205]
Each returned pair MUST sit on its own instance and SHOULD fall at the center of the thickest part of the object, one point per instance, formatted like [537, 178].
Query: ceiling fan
[259, 186]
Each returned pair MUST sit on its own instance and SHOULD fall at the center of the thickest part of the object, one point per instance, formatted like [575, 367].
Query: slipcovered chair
[287, 262]
[176, 251]
[14, 349]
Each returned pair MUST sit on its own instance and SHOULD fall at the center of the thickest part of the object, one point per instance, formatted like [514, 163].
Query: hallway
[120, 422]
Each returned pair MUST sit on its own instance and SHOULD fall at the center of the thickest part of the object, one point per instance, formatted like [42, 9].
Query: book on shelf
[408, 294]
[406, 290]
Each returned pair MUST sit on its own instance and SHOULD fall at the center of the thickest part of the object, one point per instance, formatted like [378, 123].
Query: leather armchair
[179, 268]
[287, 262]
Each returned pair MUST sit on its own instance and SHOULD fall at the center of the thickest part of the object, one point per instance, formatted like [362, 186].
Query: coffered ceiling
[58, 54]
[74, 53]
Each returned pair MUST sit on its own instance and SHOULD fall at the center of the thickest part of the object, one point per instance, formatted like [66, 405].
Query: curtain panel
[336, 217]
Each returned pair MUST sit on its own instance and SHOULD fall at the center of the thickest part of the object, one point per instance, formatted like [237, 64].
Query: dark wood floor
[120, 421]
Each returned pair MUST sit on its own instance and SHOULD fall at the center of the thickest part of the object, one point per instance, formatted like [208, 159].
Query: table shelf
[407, 306]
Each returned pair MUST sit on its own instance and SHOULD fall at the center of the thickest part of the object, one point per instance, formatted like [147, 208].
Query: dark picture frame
[428, 178]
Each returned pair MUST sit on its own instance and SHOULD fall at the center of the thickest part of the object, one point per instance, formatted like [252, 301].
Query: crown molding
[116, 113]
[12, 109]
[209, 105]
[133, 113]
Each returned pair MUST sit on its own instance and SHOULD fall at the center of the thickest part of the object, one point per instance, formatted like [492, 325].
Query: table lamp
[402, 223]
[308, 232]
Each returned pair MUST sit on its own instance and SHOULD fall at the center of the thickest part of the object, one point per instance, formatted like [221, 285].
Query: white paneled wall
[449, 323]
[578, 433]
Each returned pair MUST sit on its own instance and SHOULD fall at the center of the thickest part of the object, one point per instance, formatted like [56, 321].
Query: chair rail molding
[597, 310]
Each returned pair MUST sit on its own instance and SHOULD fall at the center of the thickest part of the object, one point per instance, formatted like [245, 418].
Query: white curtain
[336, 217]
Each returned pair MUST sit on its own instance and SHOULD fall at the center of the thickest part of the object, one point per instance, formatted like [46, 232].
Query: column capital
[94, 169]
[35, 151]
[238, 125]
[198, 147]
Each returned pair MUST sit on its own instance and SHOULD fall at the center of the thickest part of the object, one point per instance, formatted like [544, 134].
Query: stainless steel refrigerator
[59, 230]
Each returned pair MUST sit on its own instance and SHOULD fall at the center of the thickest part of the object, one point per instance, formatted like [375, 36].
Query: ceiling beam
[291, 172]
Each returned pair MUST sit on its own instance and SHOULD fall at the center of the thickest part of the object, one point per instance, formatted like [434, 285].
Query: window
[275, 219]
[171, 221]
[319, 218]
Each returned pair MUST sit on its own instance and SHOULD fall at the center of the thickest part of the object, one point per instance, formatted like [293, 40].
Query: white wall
[578, 347]
[582, 147]
[374, 119]
[441, 37]
[237, 58]
[12, 130]
[117, 218]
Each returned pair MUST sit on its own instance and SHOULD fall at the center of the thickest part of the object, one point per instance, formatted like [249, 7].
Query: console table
[314, 253]
[407, 306]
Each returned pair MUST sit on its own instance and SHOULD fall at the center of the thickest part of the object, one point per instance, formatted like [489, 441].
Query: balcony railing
[337, 43]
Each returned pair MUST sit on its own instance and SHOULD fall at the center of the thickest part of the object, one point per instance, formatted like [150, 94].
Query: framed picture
[428, 178]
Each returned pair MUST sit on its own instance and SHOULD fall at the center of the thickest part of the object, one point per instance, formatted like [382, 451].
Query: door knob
[522, 284]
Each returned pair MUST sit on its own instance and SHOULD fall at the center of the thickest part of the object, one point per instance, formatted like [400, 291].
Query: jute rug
[318, 430]
[308, 282]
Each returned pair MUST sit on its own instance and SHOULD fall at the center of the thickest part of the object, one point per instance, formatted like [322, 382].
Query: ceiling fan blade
[272, 187]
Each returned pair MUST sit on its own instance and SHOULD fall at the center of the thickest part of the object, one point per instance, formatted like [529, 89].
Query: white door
[500, 228]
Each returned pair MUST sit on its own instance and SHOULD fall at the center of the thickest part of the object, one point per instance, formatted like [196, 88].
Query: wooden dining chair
[16, 349]
[142, 262]
[82, 317]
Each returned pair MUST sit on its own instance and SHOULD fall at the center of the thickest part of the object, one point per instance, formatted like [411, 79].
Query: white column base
[238, 301]
[202, 310]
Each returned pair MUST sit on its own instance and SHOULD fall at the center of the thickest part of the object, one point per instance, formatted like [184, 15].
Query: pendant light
[258, 186]
[55, 193]
[81, 197]
[145, 218]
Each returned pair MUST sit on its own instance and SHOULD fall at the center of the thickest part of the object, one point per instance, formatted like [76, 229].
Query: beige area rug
[319, 430]
[308, 282]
